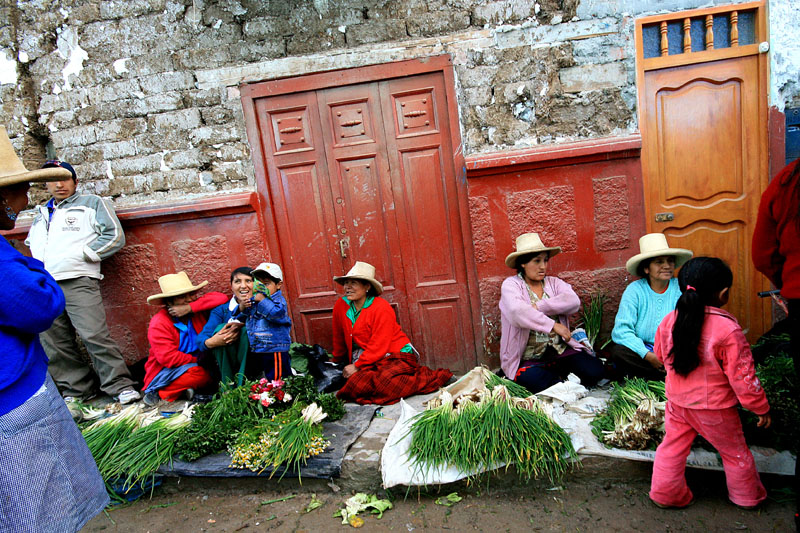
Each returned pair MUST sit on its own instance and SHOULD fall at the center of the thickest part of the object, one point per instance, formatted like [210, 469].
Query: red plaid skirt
[396, 376]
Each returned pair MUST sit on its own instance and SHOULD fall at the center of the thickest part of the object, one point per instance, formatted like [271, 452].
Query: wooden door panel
[304, 196]
[428, 217]
[425, 189]
[689, 111]
[702, 160]
[726, 241]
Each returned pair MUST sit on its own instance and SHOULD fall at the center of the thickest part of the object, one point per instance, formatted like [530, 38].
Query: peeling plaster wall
[142, 95]
[784, 21]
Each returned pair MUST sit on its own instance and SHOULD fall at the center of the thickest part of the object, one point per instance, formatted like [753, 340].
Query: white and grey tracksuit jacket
[83, 231]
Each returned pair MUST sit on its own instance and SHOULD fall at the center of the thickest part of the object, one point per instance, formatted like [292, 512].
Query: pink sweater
[726, 375]
[518, 317]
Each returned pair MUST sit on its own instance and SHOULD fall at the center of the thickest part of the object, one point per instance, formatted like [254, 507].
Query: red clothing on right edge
[726, 375]
[776, 240]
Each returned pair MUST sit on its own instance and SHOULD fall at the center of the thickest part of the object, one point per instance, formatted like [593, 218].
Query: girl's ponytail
[701, 280]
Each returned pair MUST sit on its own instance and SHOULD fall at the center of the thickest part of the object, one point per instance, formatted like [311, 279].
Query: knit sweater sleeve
[164, 339]
[624, 332]
[208, 301]
[382, 325]
[737, 363]
[517, 309]
[765, 249]
[563, 301]
[34, 299]
[218, 316]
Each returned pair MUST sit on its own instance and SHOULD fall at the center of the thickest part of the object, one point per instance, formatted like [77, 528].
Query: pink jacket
[518, 317]
[726, 375]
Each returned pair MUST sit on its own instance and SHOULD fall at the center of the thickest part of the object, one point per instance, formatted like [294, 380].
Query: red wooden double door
[365, 172]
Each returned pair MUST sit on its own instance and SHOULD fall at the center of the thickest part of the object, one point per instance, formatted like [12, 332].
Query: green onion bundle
[497, 429]
[141, 454]
[106, 434]
[634, 416]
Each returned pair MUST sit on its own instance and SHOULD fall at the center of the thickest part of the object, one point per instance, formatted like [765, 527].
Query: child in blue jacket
[268, 323]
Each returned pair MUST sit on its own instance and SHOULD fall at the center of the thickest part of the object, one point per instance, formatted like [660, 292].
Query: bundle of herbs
[779, 380]
[634, 416]
[287, 439]
[497, 429]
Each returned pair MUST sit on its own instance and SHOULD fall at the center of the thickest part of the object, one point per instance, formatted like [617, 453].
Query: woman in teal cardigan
[644, 305]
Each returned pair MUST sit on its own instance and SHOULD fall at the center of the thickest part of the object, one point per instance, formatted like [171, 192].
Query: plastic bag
[327, 374]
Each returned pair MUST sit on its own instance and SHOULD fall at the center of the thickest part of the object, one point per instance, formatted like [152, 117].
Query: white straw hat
[363, 271]
[12, 171]
[530, 243]
[174, 285]
[655, 245]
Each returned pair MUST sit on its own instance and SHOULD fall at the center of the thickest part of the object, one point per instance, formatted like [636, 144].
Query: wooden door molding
[259, 134]
[702, 89]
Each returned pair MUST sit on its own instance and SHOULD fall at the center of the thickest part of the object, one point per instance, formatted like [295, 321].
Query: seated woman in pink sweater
[536, 348]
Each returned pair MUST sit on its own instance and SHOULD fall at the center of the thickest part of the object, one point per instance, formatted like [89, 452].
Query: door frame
[687, 58]
[252, 91]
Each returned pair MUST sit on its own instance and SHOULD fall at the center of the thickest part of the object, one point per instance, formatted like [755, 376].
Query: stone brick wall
[142, 95]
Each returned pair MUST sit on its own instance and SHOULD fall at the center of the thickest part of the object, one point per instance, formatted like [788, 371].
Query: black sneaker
[151, 399]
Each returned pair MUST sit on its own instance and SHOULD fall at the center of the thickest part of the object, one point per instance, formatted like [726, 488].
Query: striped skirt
[48, 478]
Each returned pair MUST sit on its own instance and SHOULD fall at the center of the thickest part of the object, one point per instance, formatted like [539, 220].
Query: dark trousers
[630, 365]
[538, 376]
[794, 346]
[277, 365]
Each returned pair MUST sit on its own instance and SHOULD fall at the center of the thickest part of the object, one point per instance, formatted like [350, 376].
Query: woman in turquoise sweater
[644, 305]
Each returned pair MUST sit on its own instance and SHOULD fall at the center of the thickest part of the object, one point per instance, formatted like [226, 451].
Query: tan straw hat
[655, 245]
[12, 171]
[174, 285]
[530, 243]
[363, 271]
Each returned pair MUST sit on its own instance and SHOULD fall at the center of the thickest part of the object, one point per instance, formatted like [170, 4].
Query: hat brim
[157, 299]
[512, 257]
[43, 174]
[375, 283]
[681, 256]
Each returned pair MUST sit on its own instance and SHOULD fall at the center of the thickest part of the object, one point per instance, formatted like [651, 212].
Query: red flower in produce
[279, 395]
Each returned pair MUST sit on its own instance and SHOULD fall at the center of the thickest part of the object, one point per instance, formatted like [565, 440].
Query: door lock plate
[665, 217]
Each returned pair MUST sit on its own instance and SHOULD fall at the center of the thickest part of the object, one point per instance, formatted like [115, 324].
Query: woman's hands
[179, 310]
[651, 358]
[562, 331]
[764, 421]
[227, 335]
[349, 370]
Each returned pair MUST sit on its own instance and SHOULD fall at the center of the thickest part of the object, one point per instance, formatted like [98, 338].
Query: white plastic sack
[396, 466]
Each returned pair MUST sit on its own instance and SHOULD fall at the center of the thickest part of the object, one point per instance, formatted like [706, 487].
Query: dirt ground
[230, 505]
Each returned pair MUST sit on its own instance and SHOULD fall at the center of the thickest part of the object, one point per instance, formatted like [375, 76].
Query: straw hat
[362, 271]
[12, 171]
[655, 245]
[174, 285]
[530, 243]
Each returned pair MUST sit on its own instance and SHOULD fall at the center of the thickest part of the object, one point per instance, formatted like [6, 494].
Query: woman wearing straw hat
[644, 305]
[49, 481]
[536, 348]
[172, 370]
[380, 364]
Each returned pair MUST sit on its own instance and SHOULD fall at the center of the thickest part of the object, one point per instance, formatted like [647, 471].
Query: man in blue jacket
[71, 235]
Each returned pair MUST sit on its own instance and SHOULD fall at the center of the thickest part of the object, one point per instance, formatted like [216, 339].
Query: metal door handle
[343, 247]
[665, 217]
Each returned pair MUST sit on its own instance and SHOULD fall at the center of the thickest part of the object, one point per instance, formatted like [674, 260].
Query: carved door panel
[704, 162]
[361, 173]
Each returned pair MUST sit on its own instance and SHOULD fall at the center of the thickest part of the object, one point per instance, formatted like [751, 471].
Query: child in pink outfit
[710, 371]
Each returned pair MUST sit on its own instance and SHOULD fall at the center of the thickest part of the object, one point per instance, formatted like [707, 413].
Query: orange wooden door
[704, 160]
[361, 173]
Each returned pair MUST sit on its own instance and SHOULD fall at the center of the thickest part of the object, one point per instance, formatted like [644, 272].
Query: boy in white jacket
[71, 235]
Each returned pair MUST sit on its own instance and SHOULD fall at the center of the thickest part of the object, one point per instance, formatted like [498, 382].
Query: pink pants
[723, 429]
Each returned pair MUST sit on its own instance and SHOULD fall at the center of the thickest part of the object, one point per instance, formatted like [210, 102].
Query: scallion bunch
[634, 416]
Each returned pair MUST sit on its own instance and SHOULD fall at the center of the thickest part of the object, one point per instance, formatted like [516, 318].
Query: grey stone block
[593, 77]
[184, 119]
[80, 136]
[167, 81]
[372, 31]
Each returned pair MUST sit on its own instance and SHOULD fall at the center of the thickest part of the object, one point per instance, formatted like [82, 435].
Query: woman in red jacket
[172, 370]
[381, 365]
[776, 254]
